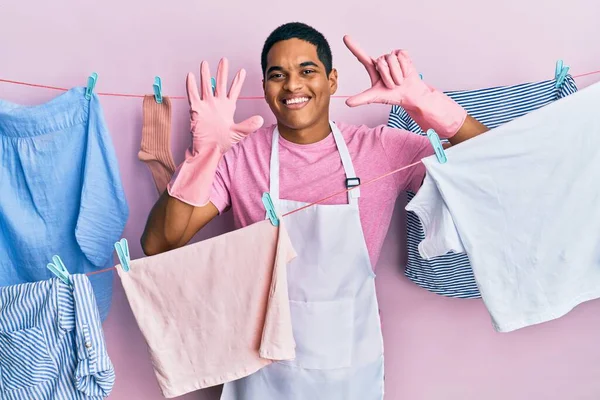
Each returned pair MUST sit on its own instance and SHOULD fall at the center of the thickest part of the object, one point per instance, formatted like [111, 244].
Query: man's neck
[309, 135]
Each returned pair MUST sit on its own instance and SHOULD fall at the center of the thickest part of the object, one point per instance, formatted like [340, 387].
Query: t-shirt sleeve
[220, 195]
[403, 148]
[441, 235]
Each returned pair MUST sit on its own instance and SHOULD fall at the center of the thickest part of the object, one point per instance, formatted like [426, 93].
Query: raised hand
[394, 80]
[213, 133]
[211, 115]
[392, 76]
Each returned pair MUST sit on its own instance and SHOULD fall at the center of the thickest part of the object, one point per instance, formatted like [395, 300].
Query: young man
[304, 158]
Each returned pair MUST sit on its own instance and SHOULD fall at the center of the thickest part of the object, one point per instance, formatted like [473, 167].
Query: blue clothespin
[268, 203]
[58, 268]
[213, 84]
[91, 85]
[421, 76]
[122, 249]
[157, 87]
[560, 73]
[435, 141]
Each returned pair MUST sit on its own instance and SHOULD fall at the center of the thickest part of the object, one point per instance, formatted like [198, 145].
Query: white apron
[335, 316]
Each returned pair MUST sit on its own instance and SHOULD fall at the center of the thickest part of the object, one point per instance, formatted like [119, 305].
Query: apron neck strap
[351, 178]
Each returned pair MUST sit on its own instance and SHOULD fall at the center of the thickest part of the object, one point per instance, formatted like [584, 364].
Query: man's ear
[264, 87]
[333, 81]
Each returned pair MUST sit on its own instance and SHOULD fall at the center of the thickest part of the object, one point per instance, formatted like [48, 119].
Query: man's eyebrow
[274, 68]
[308, 64]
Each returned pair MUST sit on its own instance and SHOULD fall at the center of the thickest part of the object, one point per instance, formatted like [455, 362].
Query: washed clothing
[155, 148]
[51, 342]
[61, 191]
[451, 274]
[523, 201]
[216, 310]
[335, 317]
[311, 172]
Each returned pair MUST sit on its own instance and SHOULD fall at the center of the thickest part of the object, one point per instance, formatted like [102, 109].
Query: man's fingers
[363, 57]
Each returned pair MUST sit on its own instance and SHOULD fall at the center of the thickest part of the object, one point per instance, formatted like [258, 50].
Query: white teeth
[296, 100]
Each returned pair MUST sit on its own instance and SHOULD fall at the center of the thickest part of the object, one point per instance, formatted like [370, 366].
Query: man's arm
[172, 224]
[185, 207]
[469, 129]
[394, 80]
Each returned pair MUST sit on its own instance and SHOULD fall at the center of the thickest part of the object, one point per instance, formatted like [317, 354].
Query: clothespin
[421, 76]
[157, 87]
[560, 73]
[93, 78]
[268, 203]
[58, 268]
[122, 249]
[435, 141]
[213, 84]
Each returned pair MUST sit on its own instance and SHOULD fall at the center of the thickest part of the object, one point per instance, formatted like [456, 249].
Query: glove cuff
[432, 109]
[193, 178]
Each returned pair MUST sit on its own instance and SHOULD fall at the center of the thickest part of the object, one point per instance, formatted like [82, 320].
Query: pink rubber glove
[394, 80]
[213, 133]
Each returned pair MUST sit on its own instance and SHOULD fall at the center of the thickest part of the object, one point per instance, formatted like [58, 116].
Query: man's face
[296, 84]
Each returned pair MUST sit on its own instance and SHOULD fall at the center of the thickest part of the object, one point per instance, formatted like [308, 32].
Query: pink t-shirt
[310, 172]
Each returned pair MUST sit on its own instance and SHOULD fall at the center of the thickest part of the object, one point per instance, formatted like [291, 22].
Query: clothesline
[247, 98]
[315, 202]
[185, 98]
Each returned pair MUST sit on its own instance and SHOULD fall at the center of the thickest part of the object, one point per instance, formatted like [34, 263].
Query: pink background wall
[437, 348]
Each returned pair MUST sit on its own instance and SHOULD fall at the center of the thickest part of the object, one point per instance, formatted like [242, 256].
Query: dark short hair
[298, 30]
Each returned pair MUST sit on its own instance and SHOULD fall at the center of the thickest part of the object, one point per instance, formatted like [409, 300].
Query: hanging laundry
[214, 311]
[51, 342]
[61, 191]
[451, 274]
[155, 149]
[523, 201]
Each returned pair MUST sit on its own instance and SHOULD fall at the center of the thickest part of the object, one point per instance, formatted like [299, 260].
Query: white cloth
[523, 201]
[335, 317]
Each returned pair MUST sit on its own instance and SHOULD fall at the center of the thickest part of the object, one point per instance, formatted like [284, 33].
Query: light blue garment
[451, 274]
[61, 192]
[51, 342]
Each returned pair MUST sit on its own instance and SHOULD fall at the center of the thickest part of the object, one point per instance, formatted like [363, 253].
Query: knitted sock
[155, 149]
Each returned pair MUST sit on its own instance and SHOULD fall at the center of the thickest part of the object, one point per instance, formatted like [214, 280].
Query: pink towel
[214, 311]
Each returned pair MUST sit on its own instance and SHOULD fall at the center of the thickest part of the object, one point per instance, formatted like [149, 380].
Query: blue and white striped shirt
[51, 342]
[451, 274]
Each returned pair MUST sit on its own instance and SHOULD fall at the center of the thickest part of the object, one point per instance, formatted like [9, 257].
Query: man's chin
[295, 125]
